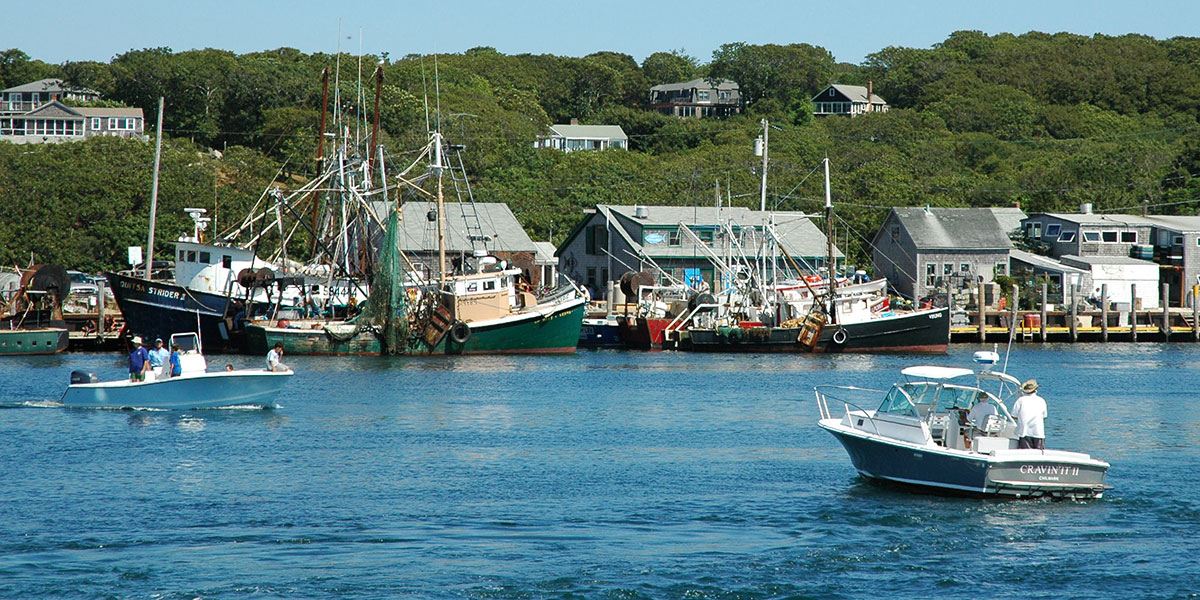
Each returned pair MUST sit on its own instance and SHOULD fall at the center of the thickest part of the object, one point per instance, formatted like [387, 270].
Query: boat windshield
[921, 398]
[954, 396]
[900, 401]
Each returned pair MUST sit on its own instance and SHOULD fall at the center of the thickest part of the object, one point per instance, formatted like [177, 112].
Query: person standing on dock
[1030, 413]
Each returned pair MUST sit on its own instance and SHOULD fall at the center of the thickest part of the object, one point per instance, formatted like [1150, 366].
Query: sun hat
[137, 339]
[1030, 386]
[157, 340]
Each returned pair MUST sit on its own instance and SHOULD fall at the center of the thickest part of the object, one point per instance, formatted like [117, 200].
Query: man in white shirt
[1030, 412]
[274, 357]
[979, 413]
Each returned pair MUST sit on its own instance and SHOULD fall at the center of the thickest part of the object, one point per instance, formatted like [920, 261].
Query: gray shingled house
[847, 101]
[697, 98]
[575, 137]
[921, 250]
[611, 240]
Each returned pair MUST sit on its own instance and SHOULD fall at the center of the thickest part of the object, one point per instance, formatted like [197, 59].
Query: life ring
[460, 332]
[839, 336]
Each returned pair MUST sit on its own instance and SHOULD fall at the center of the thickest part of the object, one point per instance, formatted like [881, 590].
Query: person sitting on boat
[139, 360]
[175, 362]
[1030, 413]
[274, 357]
[981, 411]
[158, 358]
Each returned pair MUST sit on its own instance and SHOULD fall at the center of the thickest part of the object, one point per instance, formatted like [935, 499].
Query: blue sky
[90, 30]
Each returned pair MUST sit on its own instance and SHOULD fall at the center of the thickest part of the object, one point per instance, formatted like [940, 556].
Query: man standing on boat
[158, 358]
[1030, 413]
[139, 360]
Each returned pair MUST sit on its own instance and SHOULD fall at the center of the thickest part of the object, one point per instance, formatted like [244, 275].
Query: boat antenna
[437, 92]
[425, 93]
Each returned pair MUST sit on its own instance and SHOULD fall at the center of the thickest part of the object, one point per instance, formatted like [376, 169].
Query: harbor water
[603, 474]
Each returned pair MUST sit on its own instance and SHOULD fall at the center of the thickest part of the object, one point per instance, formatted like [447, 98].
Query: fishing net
[387, 307]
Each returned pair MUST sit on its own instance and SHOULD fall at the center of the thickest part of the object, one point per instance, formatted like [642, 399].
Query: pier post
[1074, 324]
[982, 314]
[1012, 320]
[100, 309]
[1042, 326]
[1133, 312]
[1196, 313]
[1104, 312]
[1166, 322]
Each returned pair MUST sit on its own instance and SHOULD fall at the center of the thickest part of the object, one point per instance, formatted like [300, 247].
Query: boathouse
[923, 250]
[611, 240]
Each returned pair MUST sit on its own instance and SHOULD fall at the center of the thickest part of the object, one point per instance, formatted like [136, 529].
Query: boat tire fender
[460, 332]
[839, 336]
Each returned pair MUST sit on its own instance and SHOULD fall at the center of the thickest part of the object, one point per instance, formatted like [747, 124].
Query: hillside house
[54, 121]
[575, 137]
[847, 101]
[698, 98]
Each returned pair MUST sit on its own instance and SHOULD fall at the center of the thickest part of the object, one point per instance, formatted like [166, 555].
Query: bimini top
[932, 372]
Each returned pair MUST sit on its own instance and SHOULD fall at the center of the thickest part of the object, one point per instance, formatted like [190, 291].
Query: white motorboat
[917, 437]
[196, 387]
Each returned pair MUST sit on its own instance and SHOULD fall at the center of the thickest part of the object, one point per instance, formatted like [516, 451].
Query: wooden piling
[1133, 312]
[1042, 325]
[1012, 320]
[1104, 312]
[1166, 322]
[1074, 320]
[982, 314]
[1196, 313]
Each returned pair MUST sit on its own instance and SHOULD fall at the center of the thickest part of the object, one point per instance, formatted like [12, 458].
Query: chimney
[870, 94]
[1086, 208]
[574, 121]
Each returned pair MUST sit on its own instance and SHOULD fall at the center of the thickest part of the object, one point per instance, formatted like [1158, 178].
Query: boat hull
[643, 333]
[158, 309]
[918, 332]
[201, 390]
[308, 341]
[1010, 473]
[553, 331]
[600, 333]
[22, 342]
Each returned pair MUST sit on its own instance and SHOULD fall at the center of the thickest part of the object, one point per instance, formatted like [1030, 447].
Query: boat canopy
[932, 372]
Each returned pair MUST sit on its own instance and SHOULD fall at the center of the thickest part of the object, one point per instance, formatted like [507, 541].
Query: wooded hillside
[1047, 121]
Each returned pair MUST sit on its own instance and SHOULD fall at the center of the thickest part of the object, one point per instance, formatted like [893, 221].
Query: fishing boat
[196, 387]
[600, 331]
[31, 320]
[919, 436]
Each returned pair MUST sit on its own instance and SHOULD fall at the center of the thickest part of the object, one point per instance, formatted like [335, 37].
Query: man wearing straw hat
[1030, 412]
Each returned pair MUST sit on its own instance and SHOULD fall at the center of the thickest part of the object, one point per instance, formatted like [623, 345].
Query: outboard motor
[83, 377]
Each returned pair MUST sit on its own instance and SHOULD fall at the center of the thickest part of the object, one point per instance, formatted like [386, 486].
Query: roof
[956, 228]
[419, 234]
[603, 132]
[699, 82]
[1189, 224]
[1043, 262]
[932, 372]
[544, 254]
[797, 233]
[1106, 260]
[109, 112]
[856, 93]
[47, 85]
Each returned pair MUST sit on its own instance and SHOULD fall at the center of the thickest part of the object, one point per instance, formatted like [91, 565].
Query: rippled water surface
[598, 475]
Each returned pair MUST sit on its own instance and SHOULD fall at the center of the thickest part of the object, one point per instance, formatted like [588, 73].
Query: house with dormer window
[847, 101]
[53, 122]
[698, 98]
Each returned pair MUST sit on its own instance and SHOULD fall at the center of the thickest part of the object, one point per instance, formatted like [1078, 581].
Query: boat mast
[154, 191]
[829, 246]
[441, 220]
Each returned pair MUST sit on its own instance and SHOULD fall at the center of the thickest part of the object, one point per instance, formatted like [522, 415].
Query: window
[1053, 229]
[673, 238]
[947, 269]
[1001, 269]
[702, 95]
[706, 236]
[1067, 236]
[964, 268]
[191, 256]
[205, 257]
[1177, 240]
[1037, 230]
[930, 274]
[1091, 236]
[489, 285]
[895, 233]
[1108, 237]
[591, 277]
[1128, 237]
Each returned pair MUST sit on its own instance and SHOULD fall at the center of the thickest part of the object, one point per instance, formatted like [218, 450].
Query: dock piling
[1166, 319]
[982, 305]
[1074, 324]
[1196, 313]
[1133, 312]
[1104, 312]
